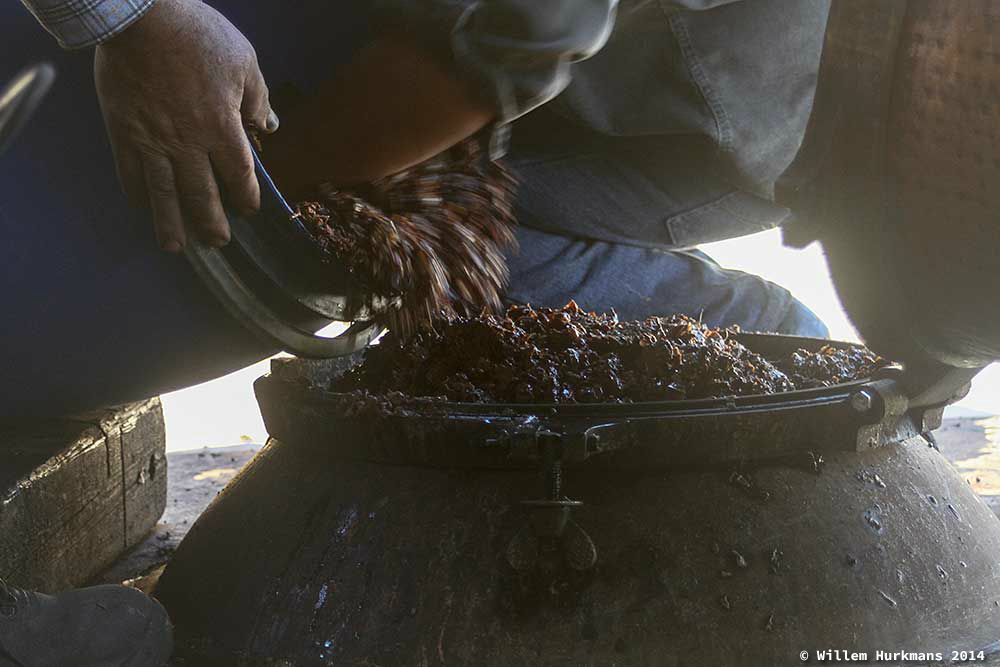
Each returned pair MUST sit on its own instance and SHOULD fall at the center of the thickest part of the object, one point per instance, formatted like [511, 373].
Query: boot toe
[125, 626]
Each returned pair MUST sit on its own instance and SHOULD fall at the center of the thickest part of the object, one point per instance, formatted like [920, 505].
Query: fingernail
[218, 241]
[272, 121]
[171, 246]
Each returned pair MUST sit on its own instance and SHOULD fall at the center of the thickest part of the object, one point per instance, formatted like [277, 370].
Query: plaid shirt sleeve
[77, 24]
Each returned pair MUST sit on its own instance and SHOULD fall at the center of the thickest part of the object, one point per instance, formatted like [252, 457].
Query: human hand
[176, 89]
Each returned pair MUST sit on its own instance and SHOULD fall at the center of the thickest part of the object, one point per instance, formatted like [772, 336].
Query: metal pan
[298, 407]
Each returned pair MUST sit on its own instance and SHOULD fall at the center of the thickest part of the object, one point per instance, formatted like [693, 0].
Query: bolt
[862, 401]
[554, 480]
[551, 453]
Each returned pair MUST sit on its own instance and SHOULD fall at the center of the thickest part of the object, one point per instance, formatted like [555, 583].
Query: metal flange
[261, 319]
[261, 302]
[20, 98]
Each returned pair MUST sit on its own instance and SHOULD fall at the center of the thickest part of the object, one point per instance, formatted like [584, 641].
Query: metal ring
[237, 298]
[20, 98]
[222, 279]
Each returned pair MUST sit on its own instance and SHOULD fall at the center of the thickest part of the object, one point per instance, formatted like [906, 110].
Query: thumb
[256, 106]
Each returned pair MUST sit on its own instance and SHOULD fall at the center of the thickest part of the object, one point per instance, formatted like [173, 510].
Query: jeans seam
[719, 202]
[749, 224]
[723, 127]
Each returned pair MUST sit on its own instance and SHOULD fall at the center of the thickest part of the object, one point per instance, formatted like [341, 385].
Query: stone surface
[77, 492]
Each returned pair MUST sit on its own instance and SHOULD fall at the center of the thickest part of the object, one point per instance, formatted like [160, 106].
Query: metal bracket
[550, 528]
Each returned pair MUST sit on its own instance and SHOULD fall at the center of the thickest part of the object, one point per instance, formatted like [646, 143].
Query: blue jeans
[95, 314]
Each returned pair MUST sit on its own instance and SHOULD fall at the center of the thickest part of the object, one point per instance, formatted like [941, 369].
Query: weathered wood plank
[75, 493]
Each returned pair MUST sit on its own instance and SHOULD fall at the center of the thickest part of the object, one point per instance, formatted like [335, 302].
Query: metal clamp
[550, 529]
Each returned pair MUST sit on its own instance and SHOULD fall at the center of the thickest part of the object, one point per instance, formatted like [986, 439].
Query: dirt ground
[973, 447]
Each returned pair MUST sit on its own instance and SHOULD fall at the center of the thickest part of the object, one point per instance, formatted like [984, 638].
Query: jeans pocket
[736, 213]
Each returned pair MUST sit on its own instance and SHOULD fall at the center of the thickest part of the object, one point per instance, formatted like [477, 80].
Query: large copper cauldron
[719, 532]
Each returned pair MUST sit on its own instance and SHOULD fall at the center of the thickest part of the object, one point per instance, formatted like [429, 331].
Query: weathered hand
[176, 89]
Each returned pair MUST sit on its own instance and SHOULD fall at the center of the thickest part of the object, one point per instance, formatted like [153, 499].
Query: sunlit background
[224, 412]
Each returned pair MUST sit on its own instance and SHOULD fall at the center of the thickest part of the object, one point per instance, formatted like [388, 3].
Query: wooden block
[77, 492]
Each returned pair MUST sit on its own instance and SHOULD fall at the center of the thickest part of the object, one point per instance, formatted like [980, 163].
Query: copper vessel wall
[317, 556]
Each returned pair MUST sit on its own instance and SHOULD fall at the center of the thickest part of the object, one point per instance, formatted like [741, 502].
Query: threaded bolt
[553, 481]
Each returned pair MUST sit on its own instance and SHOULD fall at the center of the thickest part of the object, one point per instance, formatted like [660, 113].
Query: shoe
[102, 626]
